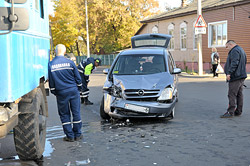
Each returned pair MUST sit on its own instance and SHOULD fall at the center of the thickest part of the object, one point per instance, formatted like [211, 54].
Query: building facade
[226, 20]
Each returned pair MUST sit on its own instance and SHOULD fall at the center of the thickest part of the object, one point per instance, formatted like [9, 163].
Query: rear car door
[150, 40]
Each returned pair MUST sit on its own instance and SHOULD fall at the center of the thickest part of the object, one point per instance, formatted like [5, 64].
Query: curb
[206, 75]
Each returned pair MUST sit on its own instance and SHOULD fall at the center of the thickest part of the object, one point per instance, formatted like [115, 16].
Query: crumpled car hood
[149, 81]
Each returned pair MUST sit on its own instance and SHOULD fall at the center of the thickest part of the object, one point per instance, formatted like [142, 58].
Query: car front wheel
[103, 114]
[172, 114]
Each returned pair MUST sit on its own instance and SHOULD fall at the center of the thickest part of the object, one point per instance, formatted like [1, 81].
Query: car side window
[172, 60]
[119, 66]
[170, 63]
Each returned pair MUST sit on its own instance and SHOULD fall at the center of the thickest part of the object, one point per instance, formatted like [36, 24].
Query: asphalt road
[196, 136]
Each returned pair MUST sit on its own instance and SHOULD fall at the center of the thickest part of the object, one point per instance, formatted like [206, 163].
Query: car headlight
[117, 91]
[166, 94]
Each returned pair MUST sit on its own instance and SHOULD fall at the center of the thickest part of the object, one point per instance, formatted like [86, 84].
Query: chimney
[184, 3]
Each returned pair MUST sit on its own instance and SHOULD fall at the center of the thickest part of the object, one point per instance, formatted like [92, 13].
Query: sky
[50, 7]
[171, 3]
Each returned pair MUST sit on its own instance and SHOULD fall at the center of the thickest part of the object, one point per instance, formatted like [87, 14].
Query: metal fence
[107, 60]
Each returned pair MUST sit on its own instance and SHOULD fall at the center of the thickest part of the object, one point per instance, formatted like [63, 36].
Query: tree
[63, 23]
[111, 22]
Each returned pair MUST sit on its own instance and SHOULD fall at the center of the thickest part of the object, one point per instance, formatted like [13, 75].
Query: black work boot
[87, 102]
[237, 113]
[227, 115]
[82, 100]
[68, 139]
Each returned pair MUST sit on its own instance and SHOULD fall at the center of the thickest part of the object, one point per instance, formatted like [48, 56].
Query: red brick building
[226, 19]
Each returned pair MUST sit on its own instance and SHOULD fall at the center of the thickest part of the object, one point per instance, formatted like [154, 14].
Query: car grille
[143, 99]
[141, 93]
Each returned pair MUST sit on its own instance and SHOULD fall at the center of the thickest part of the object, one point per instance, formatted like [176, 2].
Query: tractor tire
[30, 133]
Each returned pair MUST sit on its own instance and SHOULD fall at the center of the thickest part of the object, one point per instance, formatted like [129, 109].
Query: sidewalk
[206, 75]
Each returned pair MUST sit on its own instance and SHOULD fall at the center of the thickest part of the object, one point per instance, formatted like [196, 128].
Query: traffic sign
[201, 30]
[200, 22]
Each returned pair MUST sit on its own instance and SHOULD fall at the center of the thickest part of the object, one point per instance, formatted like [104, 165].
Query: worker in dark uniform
[85, 68]
[65, 83]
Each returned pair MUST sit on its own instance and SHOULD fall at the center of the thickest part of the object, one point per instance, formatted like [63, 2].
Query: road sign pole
[200, 62]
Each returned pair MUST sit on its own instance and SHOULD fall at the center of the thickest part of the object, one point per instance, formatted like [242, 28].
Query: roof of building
[191, 8]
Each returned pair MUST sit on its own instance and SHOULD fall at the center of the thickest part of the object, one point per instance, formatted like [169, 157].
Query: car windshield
[139, 64]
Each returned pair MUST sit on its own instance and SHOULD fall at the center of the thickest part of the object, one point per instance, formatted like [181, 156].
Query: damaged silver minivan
[142, 81]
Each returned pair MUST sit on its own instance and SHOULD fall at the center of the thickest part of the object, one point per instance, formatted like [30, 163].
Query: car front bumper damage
[121, 108]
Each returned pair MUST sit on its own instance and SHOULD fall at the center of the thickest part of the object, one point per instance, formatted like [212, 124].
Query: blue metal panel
[24, 55]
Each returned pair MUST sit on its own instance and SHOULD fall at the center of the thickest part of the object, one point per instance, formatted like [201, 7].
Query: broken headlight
[116, 91]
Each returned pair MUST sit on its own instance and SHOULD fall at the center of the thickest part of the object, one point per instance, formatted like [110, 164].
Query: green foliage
[111, 22]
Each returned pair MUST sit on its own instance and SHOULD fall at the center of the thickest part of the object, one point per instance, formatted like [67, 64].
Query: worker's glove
[87, 81]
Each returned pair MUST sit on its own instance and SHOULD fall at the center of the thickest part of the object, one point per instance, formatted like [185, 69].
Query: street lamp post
[87, 28]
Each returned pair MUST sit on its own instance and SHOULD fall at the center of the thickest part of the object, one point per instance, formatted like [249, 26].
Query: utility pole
[200, 62]
[87, 28]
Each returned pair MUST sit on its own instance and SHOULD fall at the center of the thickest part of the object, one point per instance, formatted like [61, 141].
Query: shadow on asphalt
[8, 162]
[133, 122]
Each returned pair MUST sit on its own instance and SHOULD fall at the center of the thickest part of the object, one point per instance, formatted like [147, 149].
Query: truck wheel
[103, 114]
[30, 133]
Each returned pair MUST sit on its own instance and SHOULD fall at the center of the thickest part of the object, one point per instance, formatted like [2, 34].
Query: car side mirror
[176, 71]
[105, 71]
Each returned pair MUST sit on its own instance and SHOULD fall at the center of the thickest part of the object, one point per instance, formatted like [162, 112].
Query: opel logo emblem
[141, 92]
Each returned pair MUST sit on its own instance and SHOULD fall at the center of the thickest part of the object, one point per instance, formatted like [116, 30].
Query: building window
[195, 39]
[155, 29]
[183, 35]
[171, 32]
[217, 34]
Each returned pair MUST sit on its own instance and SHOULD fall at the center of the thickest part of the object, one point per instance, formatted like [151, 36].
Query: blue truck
[24, 57]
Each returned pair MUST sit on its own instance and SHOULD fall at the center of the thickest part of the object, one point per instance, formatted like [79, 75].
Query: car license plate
[137, 108]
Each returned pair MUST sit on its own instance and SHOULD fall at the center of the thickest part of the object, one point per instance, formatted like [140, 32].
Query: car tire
[172, 114]
[103, 114]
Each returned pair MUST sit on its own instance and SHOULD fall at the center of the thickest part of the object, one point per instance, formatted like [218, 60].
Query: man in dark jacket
[65, 83]
[85, 68]
[235, 70]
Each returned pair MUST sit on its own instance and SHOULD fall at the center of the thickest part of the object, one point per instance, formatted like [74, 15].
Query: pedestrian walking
[235, 70]
[85, 68]
[215, 60]
[65, 83]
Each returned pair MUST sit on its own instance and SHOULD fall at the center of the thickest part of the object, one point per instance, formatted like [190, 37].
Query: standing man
[65, 83]
[235, 70]
[85, 68]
